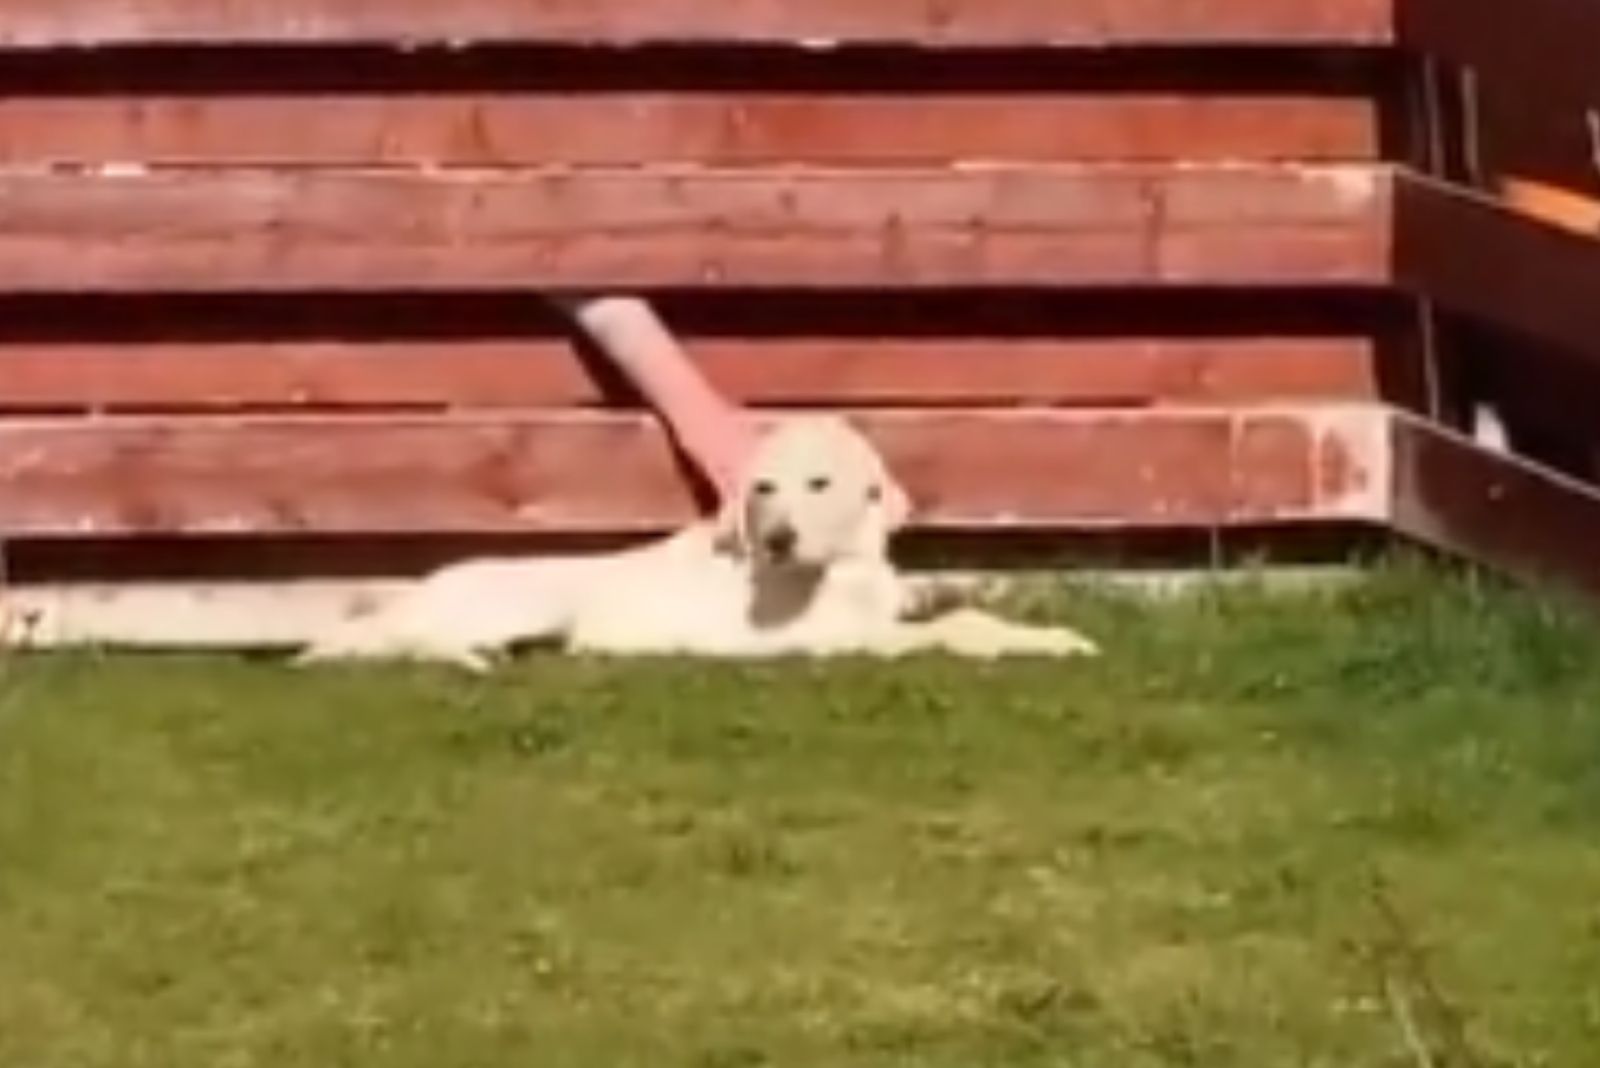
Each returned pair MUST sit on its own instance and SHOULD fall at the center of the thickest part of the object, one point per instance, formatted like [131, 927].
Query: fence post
[1427, 374]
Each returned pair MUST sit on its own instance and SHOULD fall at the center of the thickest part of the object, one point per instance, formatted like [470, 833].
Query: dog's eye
[765, 488]
[819, 484]
[874, 493]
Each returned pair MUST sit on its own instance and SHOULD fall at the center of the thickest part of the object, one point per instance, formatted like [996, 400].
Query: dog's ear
[888, 510]
[894, 501]
[896, 504]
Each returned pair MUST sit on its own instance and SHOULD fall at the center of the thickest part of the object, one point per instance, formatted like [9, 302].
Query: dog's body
[796, 565]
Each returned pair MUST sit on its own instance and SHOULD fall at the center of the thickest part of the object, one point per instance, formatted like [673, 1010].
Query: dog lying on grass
[795, 564]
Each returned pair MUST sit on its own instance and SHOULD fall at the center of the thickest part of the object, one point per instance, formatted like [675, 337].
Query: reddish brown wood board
[1477, 257]
[544, 372]
[575, 473]
[501, 130]
[1496, 509]
[55, 23]
[277, 230]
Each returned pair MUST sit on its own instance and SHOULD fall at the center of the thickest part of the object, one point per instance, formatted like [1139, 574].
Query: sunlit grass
[1267, 829]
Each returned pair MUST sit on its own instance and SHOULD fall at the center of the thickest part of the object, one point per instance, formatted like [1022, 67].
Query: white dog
[796, 564]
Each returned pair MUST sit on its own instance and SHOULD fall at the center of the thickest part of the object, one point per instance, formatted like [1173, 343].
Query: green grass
[1356, 829]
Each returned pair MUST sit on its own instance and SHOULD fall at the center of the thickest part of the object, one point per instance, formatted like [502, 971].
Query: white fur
[796, 564]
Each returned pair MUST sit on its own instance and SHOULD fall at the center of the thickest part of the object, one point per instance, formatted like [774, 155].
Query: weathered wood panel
[54, 23]
[572, 473]
[545, 372]
[1483, 260]
[502, 130]
[1496, 509]
[278, 230]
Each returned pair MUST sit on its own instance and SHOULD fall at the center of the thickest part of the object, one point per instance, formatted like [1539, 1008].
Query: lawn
[1355, 827]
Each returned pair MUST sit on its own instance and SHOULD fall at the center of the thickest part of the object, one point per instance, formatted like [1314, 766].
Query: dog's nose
[780, 542]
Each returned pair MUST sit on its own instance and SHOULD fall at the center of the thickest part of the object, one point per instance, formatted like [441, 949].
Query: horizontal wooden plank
[1483, 260]
[56, 23]
[1550, 50]
[274, 230]
[546, 372]
[1559, 205]
[1494, 508]
[715, 130]
[571, 473]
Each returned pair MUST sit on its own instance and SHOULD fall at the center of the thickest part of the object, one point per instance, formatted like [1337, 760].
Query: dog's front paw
[975, 633]
[470, 660]
[1061, 641]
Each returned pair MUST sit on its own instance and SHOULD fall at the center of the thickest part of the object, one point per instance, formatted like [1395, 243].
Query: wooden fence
[271, 274]
[1506, 300]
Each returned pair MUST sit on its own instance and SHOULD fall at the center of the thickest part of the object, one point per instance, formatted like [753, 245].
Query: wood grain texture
[1498, 266]
[1498, 510]
[278, 230]
[614, 129]
[56, 23]
[588, 473]
[546, 372]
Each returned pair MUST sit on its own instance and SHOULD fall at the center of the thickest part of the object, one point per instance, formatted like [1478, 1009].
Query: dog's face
[815, 492]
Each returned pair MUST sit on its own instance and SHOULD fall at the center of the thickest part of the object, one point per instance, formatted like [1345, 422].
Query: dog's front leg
[969, 632]
[473, 661]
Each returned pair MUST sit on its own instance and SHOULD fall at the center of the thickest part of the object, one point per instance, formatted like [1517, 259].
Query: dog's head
[815, 492]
